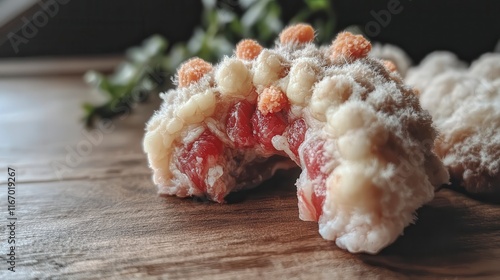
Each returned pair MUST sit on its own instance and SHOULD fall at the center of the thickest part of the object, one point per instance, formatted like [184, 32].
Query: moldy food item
[359, 134]
[465, 105]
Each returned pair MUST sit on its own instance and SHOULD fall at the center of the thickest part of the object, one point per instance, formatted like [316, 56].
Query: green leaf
[93, 77]
[212, 18]
[209, 4]
[130, 78]
[124, 74]
[195, 44]
[272, 19]
[225, 16]
[88, 108]
[236, 27]
[136, 55]
[222, 46]
[254, 13]
[105, 87]
[265, 34]
[177, 55]
[155, 45]
[302, 16]
[147, 84]
[316, 5]
[247, 3]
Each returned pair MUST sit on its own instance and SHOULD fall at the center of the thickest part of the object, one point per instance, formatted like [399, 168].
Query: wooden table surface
[103, 219]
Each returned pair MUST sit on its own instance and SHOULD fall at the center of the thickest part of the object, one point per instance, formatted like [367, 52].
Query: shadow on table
[448, 240]
[454, 236]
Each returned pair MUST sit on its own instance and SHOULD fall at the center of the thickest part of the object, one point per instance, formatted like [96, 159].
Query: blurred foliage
[321, 15]
[224, 23]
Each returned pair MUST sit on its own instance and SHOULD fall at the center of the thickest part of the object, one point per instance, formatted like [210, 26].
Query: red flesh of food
[245, 127]
[197, 157]
[295, 135]
[265, 127]
[314, 159]
[239, 125]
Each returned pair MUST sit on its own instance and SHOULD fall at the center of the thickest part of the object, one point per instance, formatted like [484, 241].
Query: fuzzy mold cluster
[465, 105]
[358, 133]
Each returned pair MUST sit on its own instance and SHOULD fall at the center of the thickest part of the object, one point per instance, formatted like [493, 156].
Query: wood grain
[104, 219]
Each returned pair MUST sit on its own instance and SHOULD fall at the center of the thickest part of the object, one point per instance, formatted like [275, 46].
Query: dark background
[84, 27]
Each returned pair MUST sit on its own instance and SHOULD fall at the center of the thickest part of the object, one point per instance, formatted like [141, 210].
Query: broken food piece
[358, 134]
